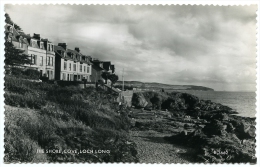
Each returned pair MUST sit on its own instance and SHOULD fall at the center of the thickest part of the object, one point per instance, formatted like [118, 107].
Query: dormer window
[34, 44]
[21, 42]
[41, 45]
[50, 47]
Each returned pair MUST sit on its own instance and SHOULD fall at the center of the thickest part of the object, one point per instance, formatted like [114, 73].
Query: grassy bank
[46, 116]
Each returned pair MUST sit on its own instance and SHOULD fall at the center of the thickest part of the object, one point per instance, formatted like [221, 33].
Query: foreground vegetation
[45, 116]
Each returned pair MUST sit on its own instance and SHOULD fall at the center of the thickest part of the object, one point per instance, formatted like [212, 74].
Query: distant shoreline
[159, 86]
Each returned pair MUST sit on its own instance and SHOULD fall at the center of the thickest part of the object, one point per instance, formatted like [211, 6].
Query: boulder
[215, 127]
[221, 117]
[138, 100]
[245, 130]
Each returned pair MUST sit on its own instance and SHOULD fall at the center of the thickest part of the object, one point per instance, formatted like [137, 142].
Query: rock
[230, 128]
[138, 100]
[245, 130]
[215, 127]
[188, 126]
[221, 117]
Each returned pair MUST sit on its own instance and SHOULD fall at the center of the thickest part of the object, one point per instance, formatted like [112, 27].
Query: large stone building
[40, 51]
[57, 62]
[71, 65]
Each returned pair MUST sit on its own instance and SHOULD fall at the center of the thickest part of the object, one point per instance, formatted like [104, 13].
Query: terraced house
[40, 51]
[57, 62]
[71, 65]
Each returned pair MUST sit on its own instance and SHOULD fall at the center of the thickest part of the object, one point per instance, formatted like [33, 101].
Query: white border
[123, 2]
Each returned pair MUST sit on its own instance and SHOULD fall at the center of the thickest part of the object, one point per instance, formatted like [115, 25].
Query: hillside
[159, 86]
[47, 117]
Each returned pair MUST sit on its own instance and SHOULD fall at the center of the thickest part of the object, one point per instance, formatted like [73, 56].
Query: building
[12, 35]
[108, 67]
[71, 65]
[40, 51]
[57, 61]
[99, 67]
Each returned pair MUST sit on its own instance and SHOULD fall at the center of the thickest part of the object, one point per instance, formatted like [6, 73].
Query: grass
[46, 116]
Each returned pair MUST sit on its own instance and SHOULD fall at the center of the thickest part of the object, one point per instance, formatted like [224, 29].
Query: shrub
[17, 71]
[31, 74]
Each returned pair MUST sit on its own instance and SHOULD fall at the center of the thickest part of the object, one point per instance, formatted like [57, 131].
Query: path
[152, 148]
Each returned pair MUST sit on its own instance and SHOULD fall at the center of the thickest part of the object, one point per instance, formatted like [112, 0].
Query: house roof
[106, 65]
[58, 49]
[97, 67]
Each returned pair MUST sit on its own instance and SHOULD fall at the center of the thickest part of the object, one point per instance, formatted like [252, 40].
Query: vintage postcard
[131, 84]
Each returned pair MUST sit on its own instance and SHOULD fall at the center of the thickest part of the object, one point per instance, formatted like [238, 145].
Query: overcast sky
[211, 46]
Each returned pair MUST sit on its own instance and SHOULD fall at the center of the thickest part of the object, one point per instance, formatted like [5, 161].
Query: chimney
[77, 49]
[37, 36]
[64, 45]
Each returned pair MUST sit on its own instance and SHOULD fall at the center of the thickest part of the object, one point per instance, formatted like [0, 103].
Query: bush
[17, 71]
[31, 74]
[23, 73]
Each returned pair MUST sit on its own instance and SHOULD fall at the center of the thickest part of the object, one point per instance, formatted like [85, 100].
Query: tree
[8, 20]
[15, 57]
[113, 78]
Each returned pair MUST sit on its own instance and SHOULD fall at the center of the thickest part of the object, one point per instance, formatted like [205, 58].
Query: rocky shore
[210, 130]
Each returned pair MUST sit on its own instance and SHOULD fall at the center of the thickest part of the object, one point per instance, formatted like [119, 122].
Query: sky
[212, 46]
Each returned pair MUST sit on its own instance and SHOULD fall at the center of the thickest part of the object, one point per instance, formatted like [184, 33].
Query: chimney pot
[37, 36]
[77, 49]
[64, 45]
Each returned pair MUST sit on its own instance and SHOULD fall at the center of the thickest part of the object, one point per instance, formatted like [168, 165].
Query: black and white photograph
[130, 83]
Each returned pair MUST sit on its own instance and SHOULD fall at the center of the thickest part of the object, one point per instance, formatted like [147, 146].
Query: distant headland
[159, 86]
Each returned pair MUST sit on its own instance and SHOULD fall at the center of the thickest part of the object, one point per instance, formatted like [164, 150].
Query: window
[51, 73]
[74, 67]
[70, 67]
[68, 78]
[88, 69]
[34, 44]
[41, 45]
[49, 47]
[84, 68]
[80, 68]
[33, 59]
[48, 61]
[52, 48]
[71, 77]
[65, 65]
[48, 73]
[51, 61]
[21, 42]
[21, 45]
[64, 76]
[41, 61]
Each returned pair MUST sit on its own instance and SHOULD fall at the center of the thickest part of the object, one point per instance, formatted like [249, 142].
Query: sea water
[242, 102]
